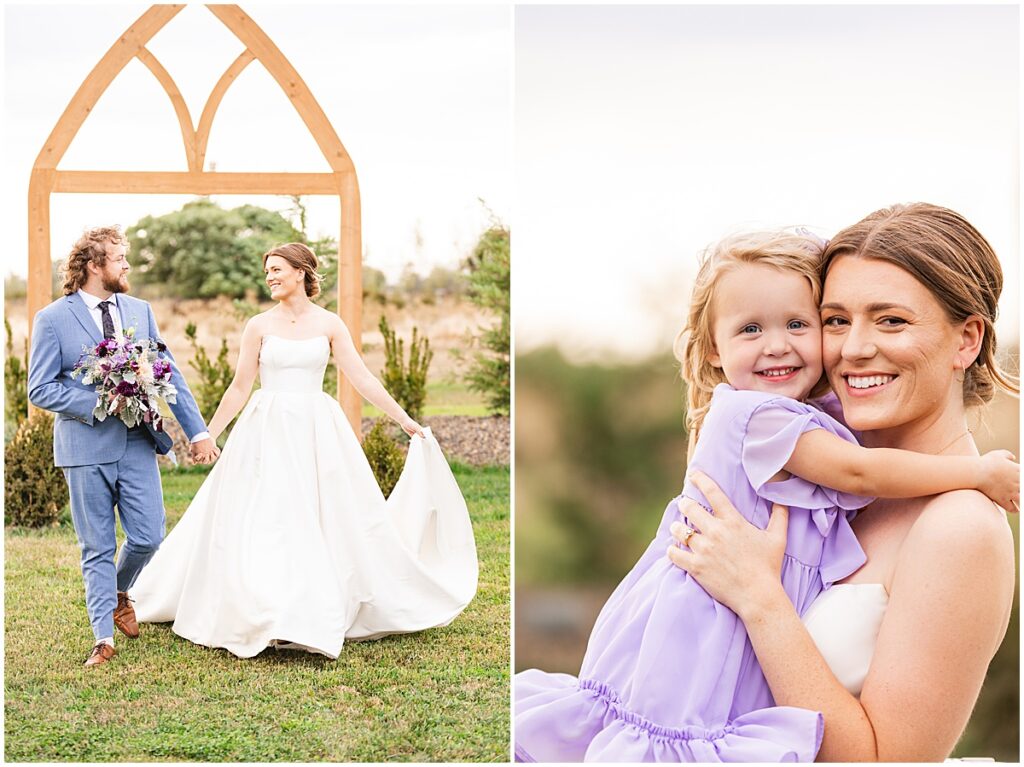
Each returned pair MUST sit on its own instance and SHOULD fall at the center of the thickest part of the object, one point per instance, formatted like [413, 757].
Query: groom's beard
[116, 284]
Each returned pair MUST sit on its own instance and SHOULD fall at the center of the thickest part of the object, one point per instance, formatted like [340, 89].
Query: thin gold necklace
[947, 447]
[295, 316]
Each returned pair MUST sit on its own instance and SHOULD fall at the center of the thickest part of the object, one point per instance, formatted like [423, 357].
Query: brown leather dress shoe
[124, 616]
[100, 654]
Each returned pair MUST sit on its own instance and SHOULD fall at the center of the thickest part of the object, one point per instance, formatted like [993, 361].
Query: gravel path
[476, 440]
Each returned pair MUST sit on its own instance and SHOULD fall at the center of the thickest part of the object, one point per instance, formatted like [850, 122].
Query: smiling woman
[910, 299]
[753, 323]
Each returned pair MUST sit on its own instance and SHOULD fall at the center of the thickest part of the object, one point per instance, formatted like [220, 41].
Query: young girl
[669, 674]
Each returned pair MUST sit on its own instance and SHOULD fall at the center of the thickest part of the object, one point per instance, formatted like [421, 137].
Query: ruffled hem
[561, 719]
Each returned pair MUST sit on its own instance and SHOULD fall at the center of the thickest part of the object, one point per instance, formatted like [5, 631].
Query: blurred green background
[600, 450]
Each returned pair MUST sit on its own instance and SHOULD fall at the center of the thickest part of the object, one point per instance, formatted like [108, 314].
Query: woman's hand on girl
[736, 562]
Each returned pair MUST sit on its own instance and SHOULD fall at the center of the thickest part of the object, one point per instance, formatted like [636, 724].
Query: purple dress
[670, 674]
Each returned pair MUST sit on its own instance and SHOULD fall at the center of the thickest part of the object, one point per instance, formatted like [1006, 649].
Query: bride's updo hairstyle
[785, 250]
[300, 257]
[942, 251]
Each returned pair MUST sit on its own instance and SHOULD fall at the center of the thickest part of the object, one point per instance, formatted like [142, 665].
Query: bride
[289, 541]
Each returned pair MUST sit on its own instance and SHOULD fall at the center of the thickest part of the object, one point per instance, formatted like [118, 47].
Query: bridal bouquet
[131, 378]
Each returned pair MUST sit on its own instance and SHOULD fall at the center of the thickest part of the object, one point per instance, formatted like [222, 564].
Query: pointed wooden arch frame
[341, 181]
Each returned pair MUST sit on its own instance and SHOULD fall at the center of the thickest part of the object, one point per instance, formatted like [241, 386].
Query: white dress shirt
[92, 303]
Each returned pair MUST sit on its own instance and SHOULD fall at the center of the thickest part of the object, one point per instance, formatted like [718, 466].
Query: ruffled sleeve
[772, 432]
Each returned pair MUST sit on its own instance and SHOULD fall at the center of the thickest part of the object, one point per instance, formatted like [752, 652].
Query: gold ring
[690, 532]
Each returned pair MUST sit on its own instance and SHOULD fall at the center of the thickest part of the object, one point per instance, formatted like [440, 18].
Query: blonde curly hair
[790, 251]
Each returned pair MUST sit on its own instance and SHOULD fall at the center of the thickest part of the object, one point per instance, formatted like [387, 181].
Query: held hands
[204, 451]
[736, 562]
[999, 479]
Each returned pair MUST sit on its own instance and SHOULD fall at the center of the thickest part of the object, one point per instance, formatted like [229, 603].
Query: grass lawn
[441, 695]
[444, 397]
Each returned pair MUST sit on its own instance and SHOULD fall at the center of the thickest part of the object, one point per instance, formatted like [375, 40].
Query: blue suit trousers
[132, 484]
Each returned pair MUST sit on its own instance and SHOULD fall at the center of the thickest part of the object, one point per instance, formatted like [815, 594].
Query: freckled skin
[913, 340]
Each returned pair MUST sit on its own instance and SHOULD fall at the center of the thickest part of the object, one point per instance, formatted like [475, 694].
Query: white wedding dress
[289, 542]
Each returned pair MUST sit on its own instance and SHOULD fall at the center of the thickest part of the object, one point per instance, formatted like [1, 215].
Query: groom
[105, 463]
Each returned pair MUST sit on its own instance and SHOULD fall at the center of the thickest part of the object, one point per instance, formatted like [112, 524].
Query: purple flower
[126, 389]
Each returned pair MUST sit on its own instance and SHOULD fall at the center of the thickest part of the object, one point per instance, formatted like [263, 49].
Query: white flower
[144, 375]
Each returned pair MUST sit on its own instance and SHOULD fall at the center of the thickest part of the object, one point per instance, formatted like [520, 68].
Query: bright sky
[420, 97]
[643, 134]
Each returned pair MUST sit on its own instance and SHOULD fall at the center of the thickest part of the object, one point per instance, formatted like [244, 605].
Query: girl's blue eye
[751, 328]
[796, 325]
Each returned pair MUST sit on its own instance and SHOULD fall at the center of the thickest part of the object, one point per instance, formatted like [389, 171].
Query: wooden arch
[341, 181]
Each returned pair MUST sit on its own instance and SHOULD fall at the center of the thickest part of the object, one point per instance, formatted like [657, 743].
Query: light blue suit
[105, 463]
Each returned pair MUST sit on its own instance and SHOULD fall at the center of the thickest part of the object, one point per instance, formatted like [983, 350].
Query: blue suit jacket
[59, 333]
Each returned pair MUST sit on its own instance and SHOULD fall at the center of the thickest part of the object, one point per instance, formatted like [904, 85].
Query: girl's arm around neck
[831, 461]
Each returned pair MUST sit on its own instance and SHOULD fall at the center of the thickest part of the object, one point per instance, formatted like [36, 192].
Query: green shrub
[203, 251]
[34, 489]
[406, 383]
[214, 375]
[489, 288]
[15, 385]
[385, 456]
[330, 383]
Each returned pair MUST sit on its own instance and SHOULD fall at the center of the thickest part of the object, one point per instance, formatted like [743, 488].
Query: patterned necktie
[108, 321]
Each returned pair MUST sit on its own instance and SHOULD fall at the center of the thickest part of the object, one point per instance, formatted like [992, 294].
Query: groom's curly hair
[90, 247]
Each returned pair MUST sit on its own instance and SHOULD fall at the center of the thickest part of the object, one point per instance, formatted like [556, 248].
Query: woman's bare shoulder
[964, 507]
[331, 321]
[968, 523]
[258, 323]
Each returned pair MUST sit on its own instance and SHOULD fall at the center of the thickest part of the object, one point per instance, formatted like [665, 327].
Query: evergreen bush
[214, 375]
[489, 288]
[385, 456]
[406, 383]
[34, 489]
[15, 385]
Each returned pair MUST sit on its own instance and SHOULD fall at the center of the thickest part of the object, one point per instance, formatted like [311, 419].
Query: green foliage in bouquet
[406, 383]
[34, 489]
[15, 385]
[214, 375]
[489, 288]
[385, 456]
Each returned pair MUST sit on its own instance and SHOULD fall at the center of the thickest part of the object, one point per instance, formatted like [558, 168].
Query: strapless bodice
[289, 365]
[844, 622]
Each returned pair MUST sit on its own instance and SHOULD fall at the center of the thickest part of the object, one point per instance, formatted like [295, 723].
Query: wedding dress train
[290, 542]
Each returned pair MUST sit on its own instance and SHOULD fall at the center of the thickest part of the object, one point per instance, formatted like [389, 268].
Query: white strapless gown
[844, 622]
[290, 542]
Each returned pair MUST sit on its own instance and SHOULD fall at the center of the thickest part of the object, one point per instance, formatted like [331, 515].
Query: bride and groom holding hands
[289, 542]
